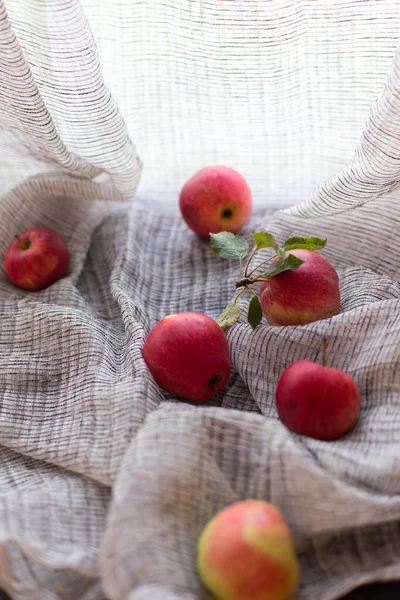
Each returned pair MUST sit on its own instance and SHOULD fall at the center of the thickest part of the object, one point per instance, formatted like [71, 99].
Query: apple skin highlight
[36, 258]
[303, 295]
[246, 552]
[215, 199]
[188, 355]
[317, 401]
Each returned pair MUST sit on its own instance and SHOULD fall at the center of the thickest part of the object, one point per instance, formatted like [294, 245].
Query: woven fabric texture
[106, 482]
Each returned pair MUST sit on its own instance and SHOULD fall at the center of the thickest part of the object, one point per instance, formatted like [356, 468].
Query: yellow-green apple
[215, 199]
[317, 401]
[188, 355]
[303, 295]
[246, 552]
[36, 258]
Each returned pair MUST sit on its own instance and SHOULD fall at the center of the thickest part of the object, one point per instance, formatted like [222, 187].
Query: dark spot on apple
[227, 213]
[24, 244]
[214, 381]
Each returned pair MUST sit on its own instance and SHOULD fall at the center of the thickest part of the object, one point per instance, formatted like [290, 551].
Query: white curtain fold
[279, 90]
[375, 168]
[54, 103]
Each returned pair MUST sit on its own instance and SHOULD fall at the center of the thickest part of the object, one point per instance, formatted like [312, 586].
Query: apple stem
[23, 244]
[243, 282]
[324, 346]
[241, 267]
[238, 294]
[262, 263]
[246, 269]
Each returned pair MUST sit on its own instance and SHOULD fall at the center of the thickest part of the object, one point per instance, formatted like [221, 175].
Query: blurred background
[278, 89]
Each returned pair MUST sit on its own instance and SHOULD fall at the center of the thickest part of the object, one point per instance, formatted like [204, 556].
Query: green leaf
[229, 316]
[254, 314]
[228, 245]
[262, 239]
[310, 243]
[289, 263]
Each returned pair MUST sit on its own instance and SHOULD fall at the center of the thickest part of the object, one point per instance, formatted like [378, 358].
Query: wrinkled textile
[107, 481]
[55, 108]
[278, 89]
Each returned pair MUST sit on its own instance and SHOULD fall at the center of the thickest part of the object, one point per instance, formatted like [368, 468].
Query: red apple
[317, 401]
[303, 295]
[188, 355]
[37, 258]
[246, 552]
[215, 199]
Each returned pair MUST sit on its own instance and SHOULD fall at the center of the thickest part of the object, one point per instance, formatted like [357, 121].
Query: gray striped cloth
[105, 481]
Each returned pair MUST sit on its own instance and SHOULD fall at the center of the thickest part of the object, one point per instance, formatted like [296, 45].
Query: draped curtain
[106, 108]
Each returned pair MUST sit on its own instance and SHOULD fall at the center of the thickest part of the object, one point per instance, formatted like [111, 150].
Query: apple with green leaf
[246, 552]
[298, 286]
[188, 355]
[317, 401]
[303, 295]
[36, 258]
[215, 199]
